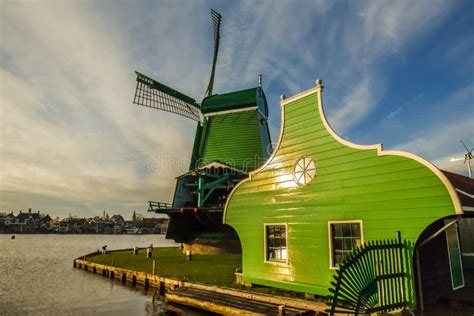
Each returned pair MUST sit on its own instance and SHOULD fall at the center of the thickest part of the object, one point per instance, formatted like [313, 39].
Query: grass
[171, 263]
[205, 269]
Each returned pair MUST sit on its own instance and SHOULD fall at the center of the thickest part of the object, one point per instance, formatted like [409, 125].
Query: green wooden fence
[372, 279]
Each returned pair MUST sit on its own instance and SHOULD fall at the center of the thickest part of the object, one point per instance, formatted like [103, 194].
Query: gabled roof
[464, 187]
[230, 101]
[72, 220]
[24, 216]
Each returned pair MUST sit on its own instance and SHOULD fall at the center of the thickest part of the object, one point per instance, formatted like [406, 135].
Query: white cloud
[69, 130]
[437, 139]
[380, 30]
[356, 105]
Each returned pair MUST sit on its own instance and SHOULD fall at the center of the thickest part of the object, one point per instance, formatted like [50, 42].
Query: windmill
[467, 158]
[232, 138]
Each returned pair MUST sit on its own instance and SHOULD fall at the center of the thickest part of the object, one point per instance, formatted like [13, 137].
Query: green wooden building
[318, 197]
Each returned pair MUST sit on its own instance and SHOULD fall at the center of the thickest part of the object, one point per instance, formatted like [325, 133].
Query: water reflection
[36, 277]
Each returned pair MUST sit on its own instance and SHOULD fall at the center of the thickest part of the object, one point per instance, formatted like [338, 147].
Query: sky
[398, 72]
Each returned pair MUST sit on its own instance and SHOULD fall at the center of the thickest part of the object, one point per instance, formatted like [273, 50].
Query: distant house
[117, 219]
[56, 222]
[146, 226]
[27, 222]
[118, 223]
[2, 221]
[46, 223]
[9, 219]
[72, 225]
[154, 225]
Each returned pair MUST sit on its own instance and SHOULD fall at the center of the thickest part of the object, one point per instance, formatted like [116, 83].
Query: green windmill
[232, 139]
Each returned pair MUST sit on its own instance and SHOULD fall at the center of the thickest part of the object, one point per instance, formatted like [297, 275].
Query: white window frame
[359, 221]
[265, 252]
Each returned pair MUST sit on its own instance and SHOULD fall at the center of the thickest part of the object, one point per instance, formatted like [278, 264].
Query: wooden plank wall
[388, 193]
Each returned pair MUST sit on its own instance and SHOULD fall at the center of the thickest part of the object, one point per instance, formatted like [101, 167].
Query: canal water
[37, 278]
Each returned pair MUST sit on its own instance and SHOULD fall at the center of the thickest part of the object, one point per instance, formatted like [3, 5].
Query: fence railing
[373, 278]
[152, 206]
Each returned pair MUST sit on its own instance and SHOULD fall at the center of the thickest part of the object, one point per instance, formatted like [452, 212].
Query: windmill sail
[153, 94]
[216, 24]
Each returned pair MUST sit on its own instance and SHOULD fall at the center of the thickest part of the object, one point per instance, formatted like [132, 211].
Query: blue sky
[399, 73]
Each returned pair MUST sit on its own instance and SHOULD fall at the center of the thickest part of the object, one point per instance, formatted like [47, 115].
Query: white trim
[359, 221]
[265, 254]
[465, 193]
[467, 254]
[468, 208]
[231, 111]
[300, 95]
[460, 258]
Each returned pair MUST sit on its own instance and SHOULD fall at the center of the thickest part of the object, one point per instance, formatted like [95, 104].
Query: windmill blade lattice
[216, 24]
[153, 94]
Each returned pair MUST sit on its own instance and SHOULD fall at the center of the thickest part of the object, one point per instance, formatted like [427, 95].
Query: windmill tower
[232, 138]
[467, 158]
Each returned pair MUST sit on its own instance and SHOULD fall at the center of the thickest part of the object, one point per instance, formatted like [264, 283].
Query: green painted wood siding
[234, 139]
[388, 193]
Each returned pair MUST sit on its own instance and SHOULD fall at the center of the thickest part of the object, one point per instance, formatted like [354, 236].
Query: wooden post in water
[154, 266]
[135, 250]
[282, 310]
[112, 262]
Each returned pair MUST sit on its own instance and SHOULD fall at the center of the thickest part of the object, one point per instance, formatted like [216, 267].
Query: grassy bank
[205, 269]
[172, 263]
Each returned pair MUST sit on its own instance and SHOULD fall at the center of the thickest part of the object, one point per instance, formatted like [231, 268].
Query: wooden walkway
[230, 304]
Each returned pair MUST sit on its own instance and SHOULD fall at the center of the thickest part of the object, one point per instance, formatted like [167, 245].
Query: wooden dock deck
[228, 304]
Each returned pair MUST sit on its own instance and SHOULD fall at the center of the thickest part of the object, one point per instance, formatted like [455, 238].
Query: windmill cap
[234, 101]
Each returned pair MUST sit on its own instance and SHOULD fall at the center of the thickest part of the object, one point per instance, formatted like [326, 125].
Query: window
[275, 243]
[343, 238]
[304, 171]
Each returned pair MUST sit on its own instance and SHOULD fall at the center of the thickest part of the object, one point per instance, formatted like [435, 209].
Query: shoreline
[221, 299]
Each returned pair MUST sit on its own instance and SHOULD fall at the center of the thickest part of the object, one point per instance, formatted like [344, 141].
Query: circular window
[305, 171]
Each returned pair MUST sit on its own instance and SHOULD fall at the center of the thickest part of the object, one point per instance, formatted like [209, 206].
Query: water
[37, 277]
